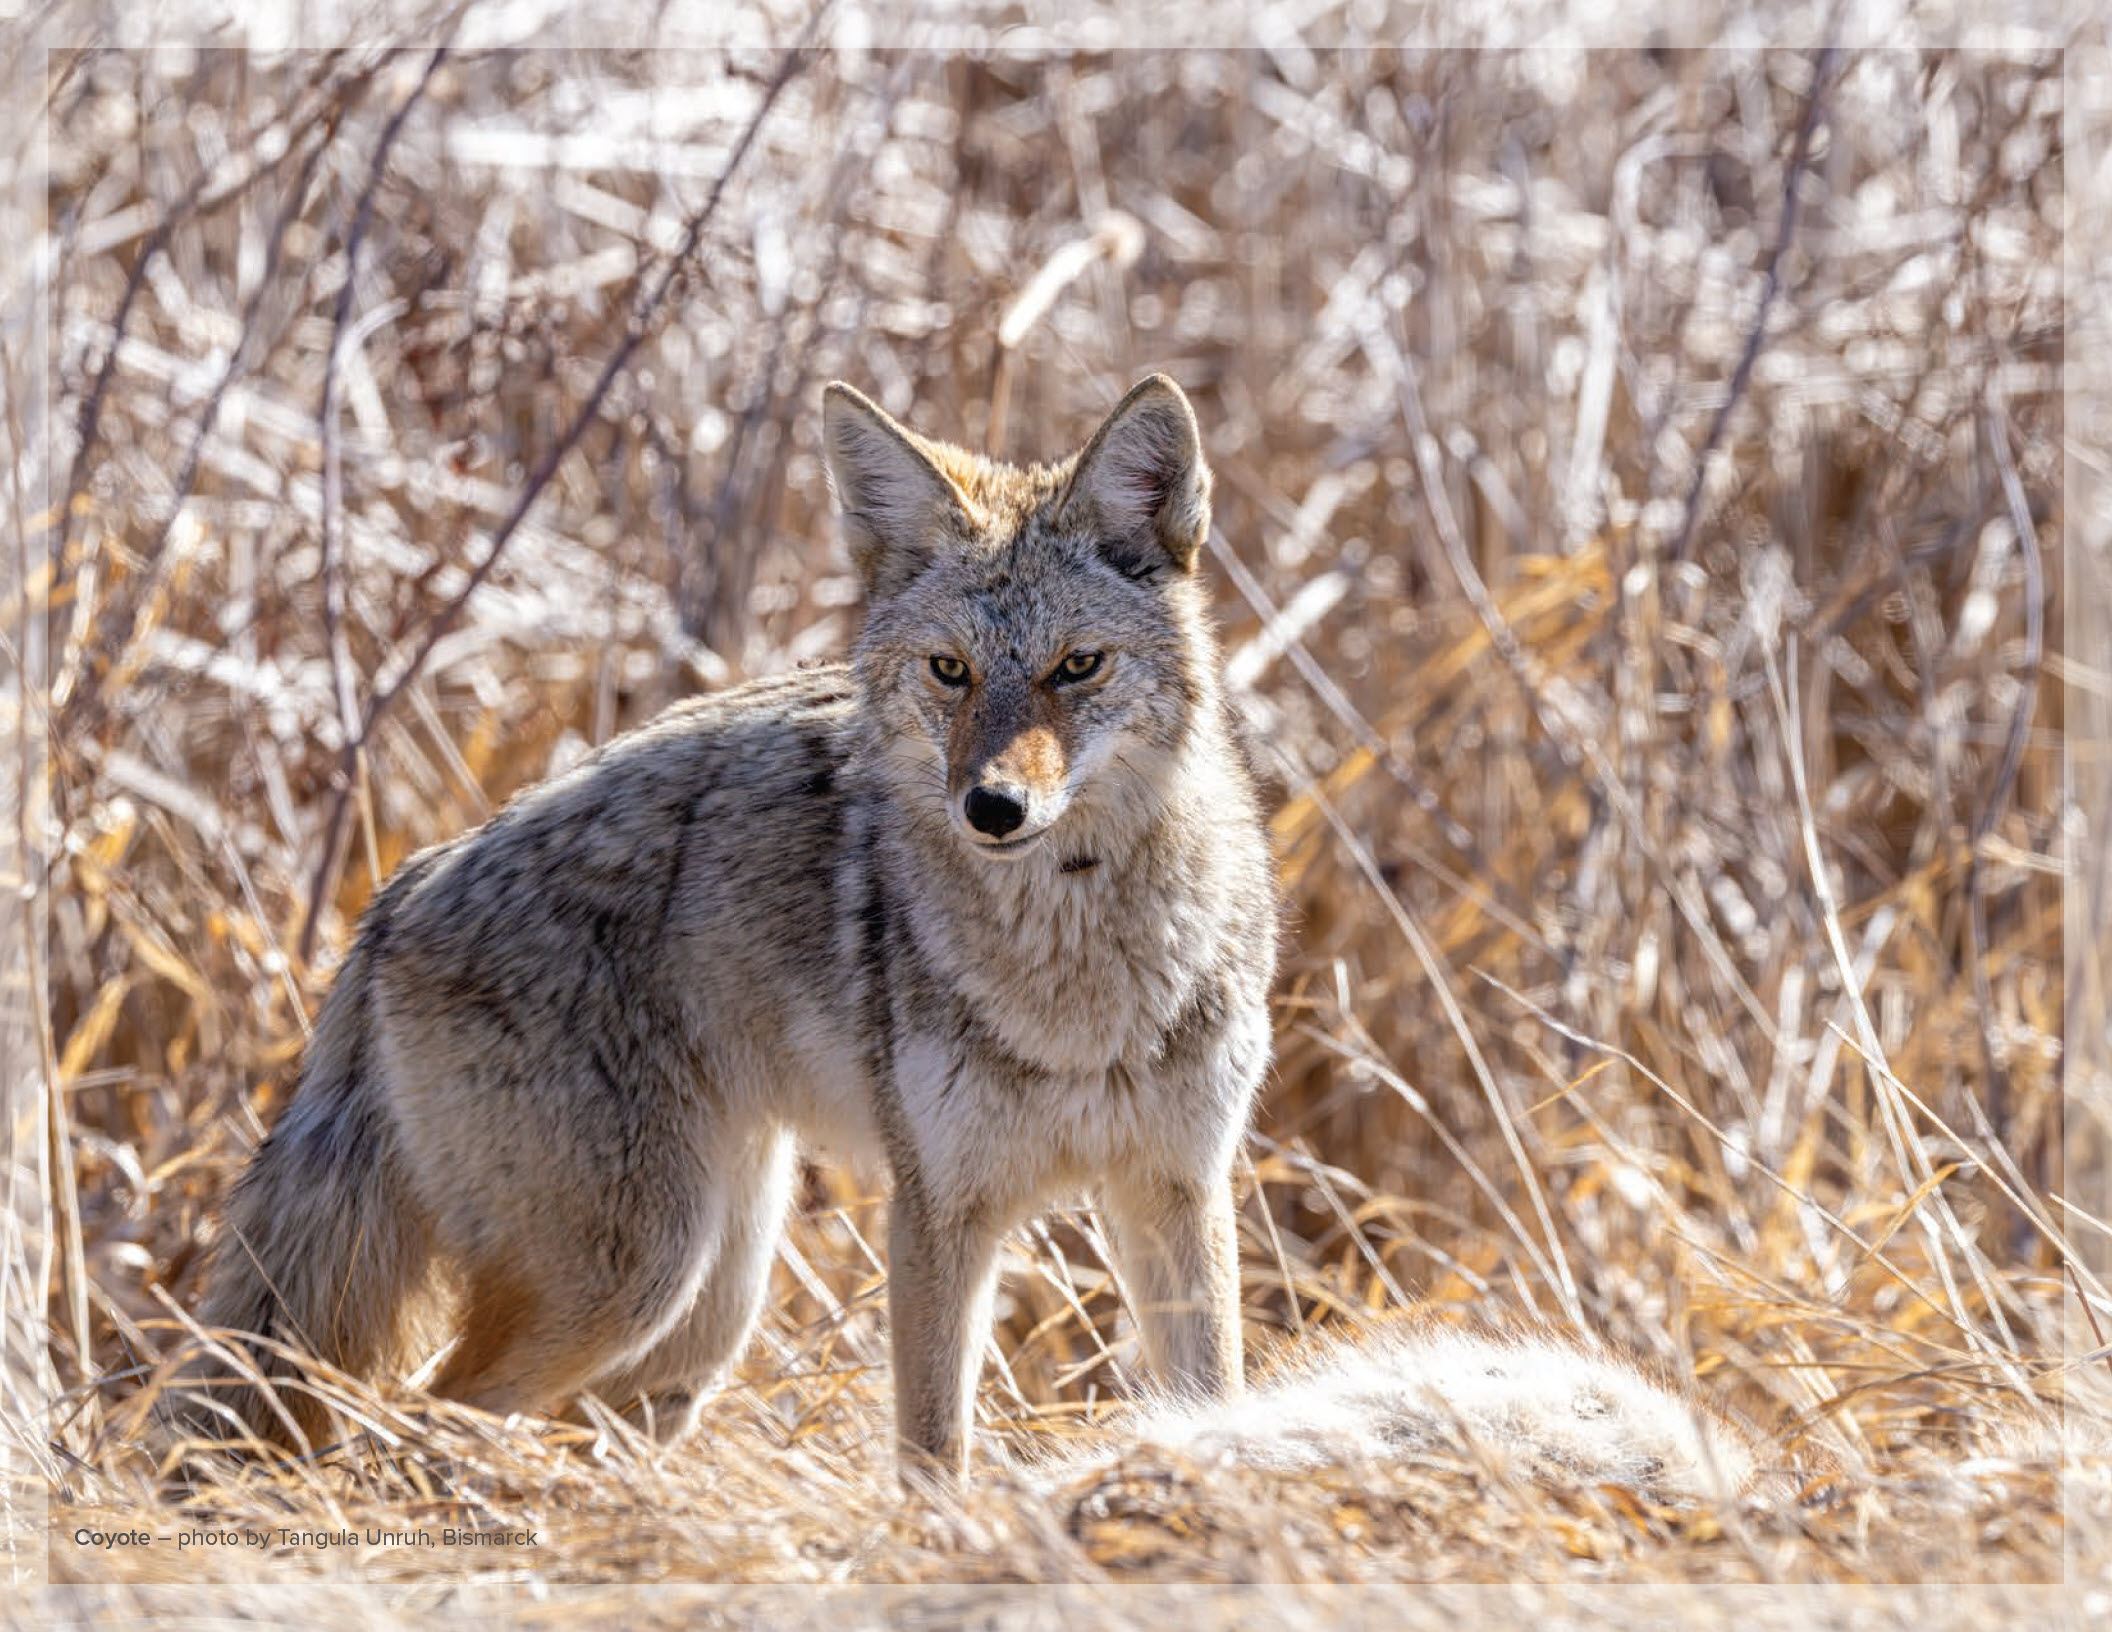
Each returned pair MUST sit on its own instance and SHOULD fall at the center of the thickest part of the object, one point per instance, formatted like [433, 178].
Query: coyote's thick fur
[993, 899]
[1532, 1403]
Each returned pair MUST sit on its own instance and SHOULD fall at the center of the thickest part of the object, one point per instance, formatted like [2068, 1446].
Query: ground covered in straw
[1640, 535]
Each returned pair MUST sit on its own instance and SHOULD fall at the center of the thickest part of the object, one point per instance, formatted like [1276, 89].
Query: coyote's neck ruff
[1088, 953]
[993, 900]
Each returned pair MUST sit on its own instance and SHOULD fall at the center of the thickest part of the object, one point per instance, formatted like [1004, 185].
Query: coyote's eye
[1078, 666]
[951, 671]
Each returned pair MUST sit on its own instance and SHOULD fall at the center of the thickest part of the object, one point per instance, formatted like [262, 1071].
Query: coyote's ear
[896, 505]
[1141, 484]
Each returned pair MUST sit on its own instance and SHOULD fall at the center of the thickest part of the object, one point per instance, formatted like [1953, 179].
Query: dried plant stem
[1770, 286]
[332, 497]
[1576, 749]
[1996, 800]
[54, 1150]
[332, 439]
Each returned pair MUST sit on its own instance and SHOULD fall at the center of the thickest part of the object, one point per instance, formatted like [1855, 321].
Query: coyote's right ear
[897, 506]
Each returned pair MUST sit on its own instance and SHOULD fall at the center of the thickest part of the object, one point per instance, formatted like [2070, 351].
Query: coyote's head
[1036, 642]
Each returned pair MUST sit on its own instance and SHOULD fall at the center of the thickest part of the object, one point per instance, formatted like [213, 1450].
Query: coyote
[992, 900]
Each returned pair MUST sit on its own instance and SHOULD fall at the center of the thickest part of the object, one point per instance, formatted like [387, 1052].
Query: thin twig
[1770, 284]
[2034, 623]
[723, 569]
[332, 498]
[1996, 422]
[1874, 1254]
[1912, 1163]
[1554, 1264]
[59, 1188]
[2089, 1314]
[1337, 703]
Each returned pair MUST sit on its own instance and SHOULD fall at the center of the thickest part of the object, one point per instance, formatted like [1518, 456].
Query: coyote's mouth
[1007, 849]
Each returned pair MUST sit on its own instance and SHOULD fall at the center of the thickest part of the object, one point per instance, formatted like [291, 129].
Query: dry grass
[1650, 596]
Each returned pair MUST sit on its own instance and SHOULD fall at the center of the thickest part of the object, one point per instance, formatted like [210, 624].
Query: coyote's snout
[571, 1054]
[1008, 755]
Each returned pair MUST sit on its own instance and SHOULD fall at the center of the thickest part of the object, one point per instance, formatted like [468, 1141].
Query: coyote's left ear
[1141, 484]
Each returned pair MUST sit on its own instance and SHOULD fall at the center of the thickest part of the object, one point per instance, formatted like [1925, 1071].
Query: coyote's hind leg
[548, 1310]
[666, 1387]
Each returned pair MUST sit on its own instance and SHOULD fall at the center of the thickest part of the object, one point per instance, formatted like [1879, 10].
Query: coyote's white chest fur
[1084, 957]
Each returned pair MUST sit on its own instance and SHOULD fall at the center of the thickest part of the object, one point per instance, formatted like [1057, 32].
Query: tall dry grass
[1640, 536]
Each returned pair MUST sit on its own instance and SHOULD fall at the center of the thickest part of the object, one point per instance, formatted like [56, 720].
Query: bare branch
[1770, 284]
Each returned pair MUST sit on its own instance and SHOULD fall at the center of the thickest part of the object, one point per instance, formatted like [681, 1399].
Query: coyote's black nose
[994, 813]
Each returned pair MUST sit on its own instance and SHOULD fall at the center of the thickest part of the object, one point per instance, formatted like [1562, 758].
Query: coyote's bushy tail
[1532, 1402]
[324, 1248]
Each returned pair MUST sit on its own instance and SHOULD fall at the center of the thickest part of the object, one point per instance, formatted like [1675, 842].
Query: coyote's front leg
[1177, 1245]
[942, 1272]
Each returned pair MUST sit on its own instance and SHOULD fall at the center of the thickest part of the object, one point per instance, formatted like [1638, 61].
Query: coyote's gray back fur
[993, 901]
